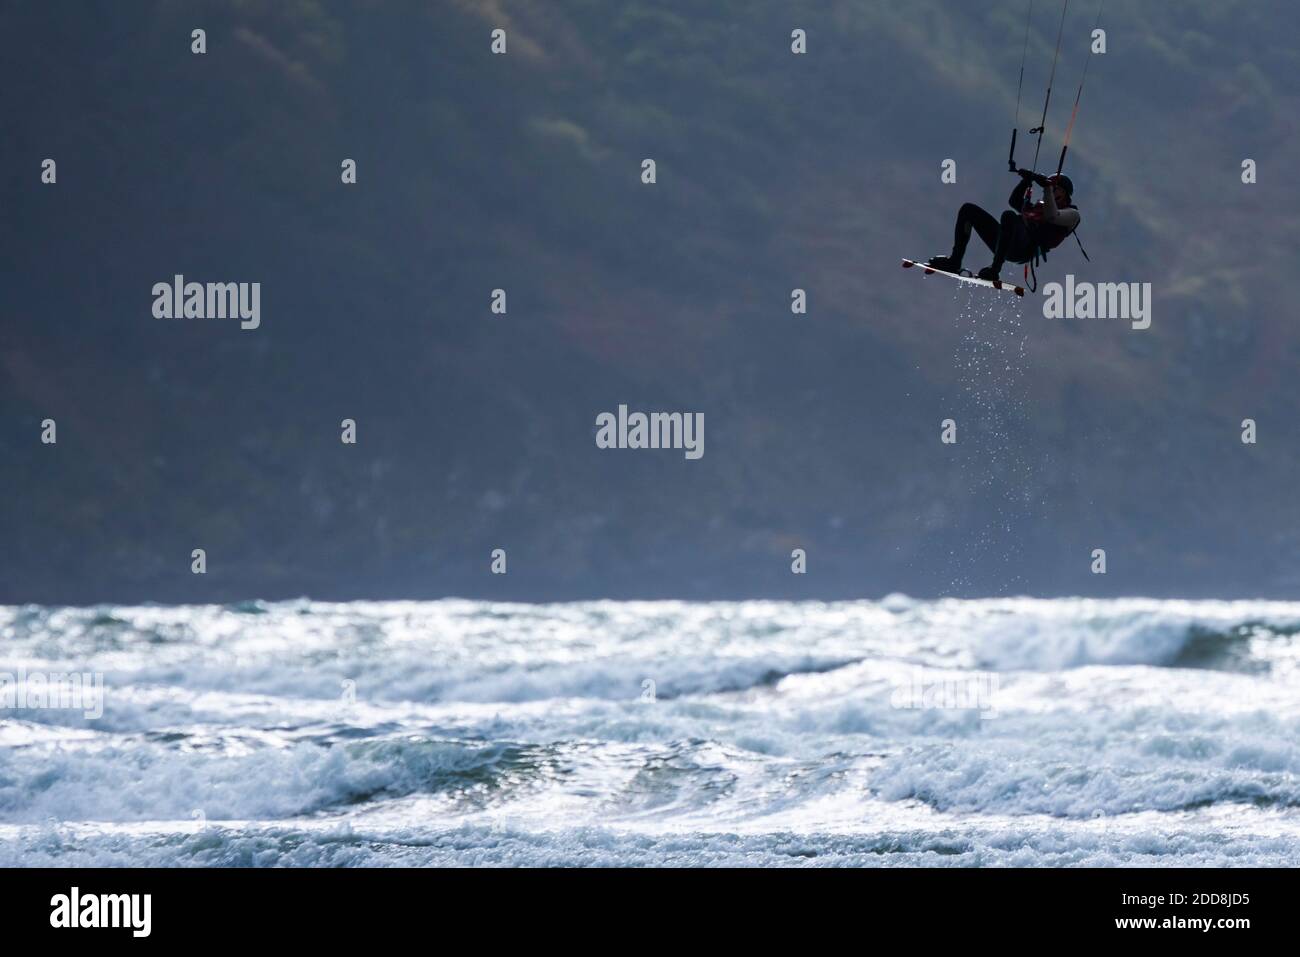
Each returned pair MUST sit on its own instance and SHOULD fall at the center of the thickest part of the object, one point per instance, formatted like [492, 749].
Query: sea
[883, 733]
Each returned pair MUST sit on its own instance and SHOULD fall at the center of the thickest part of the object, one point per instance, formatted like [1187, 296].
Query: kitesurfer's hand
[1040, 179]
[1025, 173]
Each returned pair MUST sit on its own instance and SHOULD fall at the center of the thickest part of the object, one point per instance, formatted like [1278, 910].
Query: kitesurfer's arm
[1017, 200]
[1067, 218]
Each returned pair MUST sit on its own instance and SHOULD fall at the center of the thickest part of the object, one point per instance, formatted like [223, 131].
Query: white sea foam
[660, 732]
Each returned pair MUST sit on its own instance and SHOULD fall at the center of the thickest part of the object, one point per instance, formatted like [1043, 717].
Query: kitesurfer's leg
[1013, 242]
[969, 217]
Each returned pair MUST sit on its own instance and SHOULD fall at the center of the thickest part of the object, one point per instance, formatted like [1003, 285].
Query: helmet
[1063, 181]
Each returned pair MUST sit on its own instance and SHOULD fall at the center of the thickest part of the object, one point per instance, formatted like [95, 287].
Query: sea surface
[875, 733]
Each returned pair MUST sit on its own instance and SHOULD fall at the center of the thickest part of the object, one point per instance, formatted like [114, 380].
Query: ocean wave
[490, 651]
[801, 734]
[1052, 635]
[1187, 840]
[1114, 765]
[231, 778]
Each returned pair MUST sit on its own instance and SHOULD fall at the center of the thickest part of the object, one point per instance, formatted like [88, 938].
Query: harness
[1041, 250]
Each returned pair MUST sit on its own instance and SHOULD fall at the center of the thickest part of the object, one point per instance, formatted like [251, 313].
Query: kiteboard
[993, 283]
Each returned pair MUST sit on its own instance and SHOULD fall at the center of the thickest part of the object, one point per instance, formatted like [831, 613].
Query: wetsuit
[1016, 237]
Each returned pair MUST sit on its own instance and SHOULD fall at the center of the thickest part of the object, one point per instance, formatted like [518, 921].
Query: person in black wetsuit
[1025, 230]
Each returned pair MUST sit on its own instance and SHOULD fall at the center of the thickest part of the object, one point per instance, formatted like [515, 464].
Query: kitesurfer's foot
[989, 273]
[945, 263]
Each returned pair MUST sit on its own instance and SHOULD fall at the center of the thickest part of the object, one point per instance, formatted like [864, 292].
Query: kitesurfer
[1025, 232]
